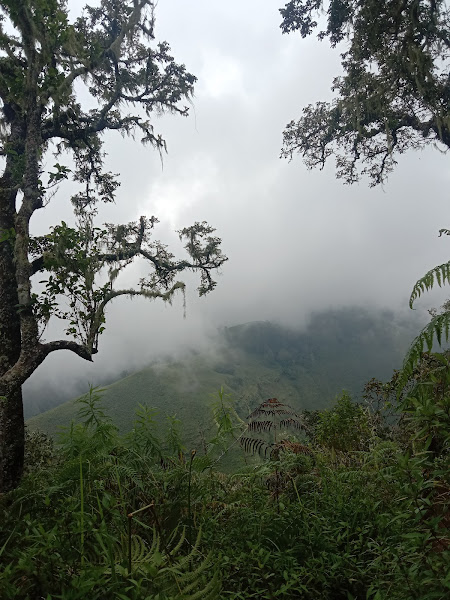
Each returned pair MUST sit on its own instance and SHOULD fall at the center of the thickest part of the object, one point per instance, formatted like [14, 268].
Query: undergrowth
[361, 515]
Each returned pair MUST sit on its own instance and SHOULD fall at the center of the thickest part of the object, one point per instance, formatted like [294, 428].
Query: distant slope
[184, 389]
[256, 361]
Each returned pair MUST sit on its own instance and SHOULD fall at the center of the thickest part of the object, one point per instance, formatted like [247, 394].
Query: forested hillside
[306, 368]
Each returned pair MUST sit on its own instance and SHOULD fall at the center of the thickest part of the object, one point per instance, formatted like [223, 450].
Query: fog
[297, 240]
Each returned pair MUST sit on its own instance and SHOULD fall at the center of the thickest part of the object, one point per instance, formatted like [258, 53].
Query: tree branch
[37, 265]
[30, 360]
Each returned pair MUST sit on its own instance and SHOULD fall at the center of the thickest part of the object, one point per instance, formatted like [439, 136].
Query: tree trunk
[11, 408]
[12, 437]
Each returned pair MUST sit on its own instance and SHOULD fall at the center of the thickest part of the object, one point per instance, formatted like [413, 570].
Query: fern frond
[188, 558]
[208, 591]
[201, 463]
[438, 327]
[141, 554]
[189, 579]
[129, 474]
[254, 445]
[139, 550]
[439, 275]
[295, 423]
[260, 426]
[180, 542]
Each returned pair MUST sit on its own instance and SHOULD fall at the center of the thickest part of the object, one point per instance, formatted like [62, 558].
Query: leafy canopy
[394, 93]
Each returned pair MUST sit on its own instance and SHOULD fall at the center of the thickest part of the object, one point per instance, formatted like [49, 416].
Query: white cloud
[220, 76]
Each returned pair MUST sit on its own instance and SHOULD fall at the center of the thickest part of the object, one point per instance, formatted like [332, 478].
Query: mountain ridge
[254, 361]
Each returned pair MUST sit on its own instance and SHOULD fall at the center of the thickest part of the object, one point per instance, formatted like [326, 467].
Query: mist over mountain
[307, 368]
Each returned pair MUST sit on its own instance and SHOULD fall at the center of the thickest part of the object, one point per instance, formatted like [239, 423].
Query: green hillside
[255, 361]
[184, 389]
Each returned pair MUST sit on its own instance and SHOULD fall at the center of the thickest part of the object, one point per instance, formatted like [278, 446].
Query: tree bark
[12, 428]
[12, 435]
[11, 408]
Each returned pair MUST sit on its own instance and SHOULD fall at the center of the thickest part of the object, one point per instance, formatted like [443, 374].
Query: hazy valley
[307, 369]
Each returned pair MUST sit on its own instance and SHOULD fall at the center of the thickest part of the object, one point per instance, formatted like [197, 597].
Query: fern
[128, 474]
[144, 433]
[199, 589]
[272, 407]
[295, 423]
[255, 445]
[260, 426]
[201, 463]
[437, 329]
[140, 552]
[271, 416]
[178, 576]
[439, 325]
[174, 439]
[439, 275]
[91, 411]
[192, 582]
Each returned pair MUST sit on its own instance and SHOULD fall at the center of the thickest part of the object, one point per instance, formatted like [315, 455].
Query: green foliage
[267, 427]
[125, 77]
[144, 432]
[364, 515]
[344, 427]
[393, 93]
[426, 406]
[228, 423]
[174, 438]
[439, 275]
[70, 518]
[437, 330]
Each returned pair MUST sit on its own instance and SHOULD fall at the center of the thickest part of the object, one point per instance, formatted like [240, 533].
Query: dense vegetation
[357, 510]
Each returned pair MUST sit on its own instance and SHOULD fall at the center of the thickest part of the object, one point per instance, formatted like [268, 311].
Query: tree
[127, 78]
[394, 93]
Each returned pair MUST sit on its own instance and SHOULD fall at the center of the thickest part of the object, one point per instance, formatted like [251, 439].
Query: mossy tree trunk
[11, 411]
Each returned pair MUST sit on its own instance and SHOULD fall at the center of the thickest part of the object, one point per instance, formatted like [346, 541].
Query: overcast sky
[297, 240]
